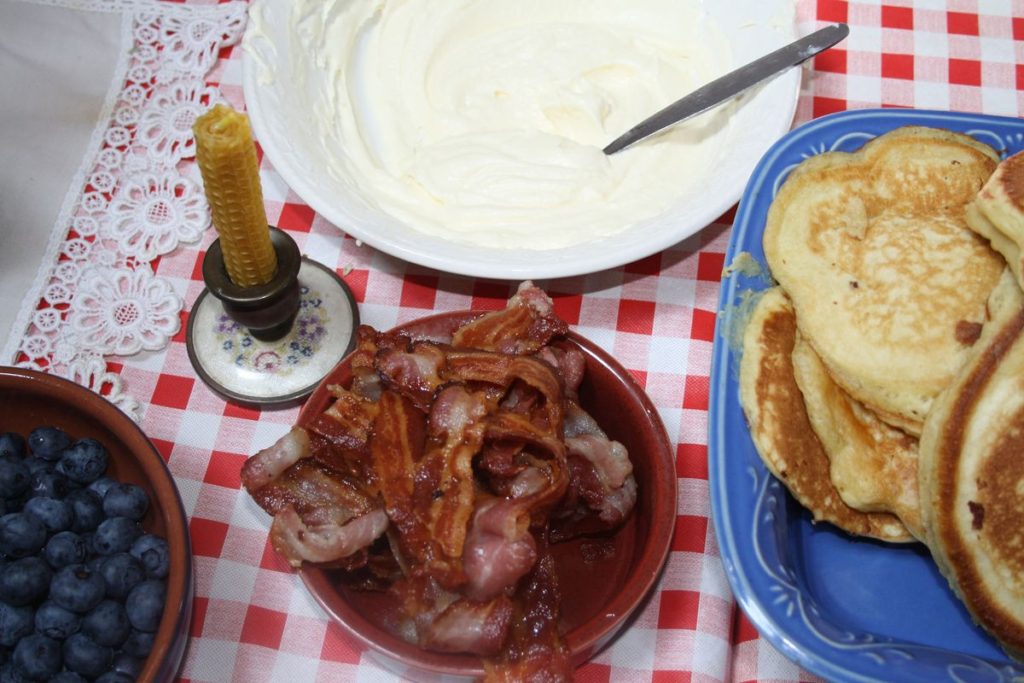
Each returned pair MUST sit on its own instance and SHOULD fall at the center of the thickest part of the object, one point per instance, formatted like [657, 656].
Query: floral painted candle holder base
[274, 343]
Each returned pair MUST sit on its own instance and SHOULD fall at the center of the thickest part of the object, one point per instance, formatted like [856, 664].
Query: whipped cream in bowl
[466, 135]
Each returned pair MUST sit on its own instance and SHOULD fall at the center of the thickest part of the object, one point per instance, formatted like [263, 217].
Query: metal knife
[732, 84]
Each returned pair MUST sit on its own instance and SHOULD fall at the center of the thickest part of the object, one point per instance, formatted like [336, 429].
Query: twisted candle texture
[227, 159]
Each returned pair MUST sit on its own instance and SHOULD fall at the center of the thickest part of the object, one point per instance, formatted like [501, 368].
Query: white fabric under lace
[135, 197]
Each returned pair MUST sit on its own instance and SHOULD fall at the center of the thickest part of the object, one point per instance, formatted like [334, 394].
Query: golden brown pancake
[888, 282]
[971, 471]
[872, 465]
[782, 431]
[998, 212]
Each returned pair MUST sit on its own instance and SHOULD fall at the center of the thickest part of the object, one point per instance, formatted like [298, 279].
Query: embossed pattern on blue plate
[845, 609]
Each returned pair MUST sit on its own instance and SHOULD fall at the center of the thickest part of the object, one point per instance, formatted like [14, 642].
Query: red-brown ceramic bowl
[29, 399]
[598, 594]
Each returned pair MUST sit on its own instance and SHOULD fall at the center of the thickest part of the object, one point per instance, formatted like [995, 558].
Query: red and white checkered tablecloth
[253, 620]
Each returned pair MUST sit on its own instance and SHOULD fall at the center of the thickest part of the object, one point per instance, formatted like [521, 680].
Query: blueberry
[83, 655]
[45, 482]
[115, 535]
[9, 673]
[15, 623]
[95, 562]
[107, 624]
[77, 588]
[125, 500]
[153, 553]
[87, 509]
[21, 534]
[54, 621]
[101, 486]
[145, 605]
[65, 548]
[139, 644]
[48, 442]
[127, 664]
[38, 465]
[14, 477]
[25, 581]
[38, 657]
[115, 677]
[121, 572]
[68, 677]
[83, 462]
[55, 514]
[12, 443]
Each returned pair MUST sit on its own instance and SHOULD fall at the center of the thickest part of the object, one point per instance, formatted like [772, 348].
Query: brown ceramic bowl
[29, 399]
[597, 594]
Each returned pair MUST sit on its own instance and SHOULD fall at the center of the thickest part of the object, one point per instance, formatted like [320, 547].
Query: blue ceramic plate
[845, 609]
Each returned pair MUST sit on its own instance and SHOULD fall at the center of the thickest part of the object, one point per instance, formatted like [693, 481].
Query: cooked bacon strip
[535, 651]
[406, 484]
[299, 543]
[271, 462]
[499, 549]
[365, 380]
[339, 439]
[348, 418]
[570, 363]
[491, 331]
[601, 479]
[395, 445]
[443, 620]
[531, 481]
[603, 476]
[589, 495]
[476, 366]
[457, 424]
[317, 494]
[415, 372]
[367, 383]
[526, 324]
[480, 628]
[616, 505]
[535, 469]
[422, 600]
[584, 437]
[513, 427]
[609, 458]
[366, 348]
[501, 459]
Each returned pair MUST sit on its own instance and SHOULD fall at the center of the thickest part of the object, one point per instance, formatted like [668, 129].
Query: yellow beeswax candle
[227, 159]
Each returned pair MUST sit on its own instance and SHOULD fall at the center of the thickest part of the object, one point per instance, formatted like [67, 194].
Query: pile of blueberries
[82, 585]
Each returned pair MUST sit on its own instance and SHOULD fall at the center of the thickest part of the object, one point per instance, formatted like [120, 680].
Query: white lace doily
[136, 197]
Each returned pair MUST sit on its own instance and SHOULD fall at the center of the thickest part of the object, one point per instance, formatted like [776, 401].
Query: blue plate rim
[750, 216]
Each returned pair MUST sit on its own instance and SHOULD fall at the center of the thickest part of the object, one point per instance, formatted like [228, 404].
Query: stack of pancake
[883, 377]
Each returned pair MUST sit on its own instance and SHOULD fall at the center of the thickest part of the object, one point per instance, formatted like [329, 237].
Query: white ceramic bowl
[281, 106]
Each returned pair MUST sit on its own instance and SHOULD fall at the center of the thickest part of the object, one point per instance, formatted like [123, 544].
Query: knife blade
[732, 84]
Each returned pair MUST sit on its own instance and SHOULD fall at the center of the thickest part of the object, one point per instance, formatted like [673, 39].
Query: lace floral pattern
[138, 199]
[153, 213]
[121, 312]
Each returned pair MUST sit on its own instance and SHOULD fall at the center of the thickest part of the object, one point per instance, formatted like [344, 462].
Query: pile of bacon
[444, 472]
